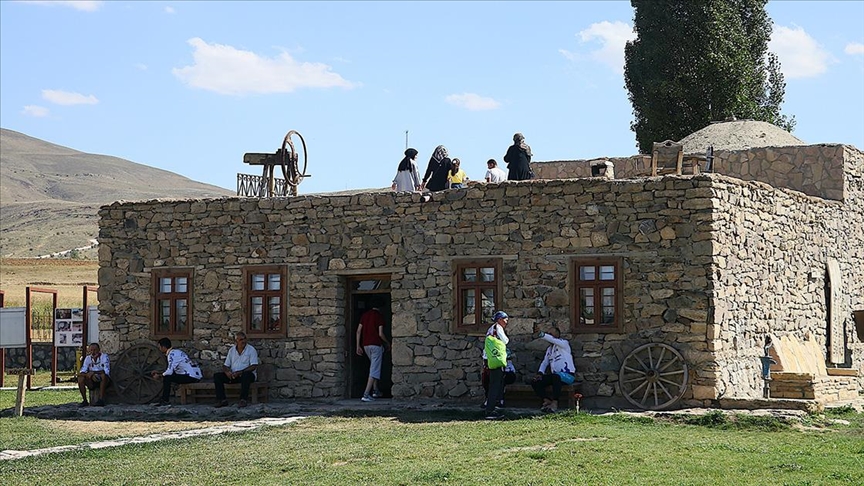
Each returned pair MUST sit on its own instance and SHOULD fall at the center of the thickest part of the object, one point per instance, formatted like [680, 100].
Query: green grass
[37, 398]
[454, 447]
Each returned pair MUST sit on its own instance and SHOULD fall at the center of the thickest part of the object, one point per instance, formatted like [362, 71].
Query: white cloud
[169, 10]
[61, 97]
[226, 70]
[83, 5]
[612, 36]
[800, 55]
[854, 49]
[473, 102]
[571, 56]
[140, 66]
[35, 111]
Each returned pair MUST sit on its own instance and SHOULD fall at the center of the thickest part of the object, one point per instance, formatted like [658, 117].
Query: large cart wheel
[131, 373]
[653, 376]
[292, 159]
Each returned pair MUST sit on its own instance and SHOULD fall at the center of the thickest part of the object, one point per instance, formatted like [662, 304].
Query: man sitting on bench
[559, 361]
[94, 373]
[180, 370]
[239, 367]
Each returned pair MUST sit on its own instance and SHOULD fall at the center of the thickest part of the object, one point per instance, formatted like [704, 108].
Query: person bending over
[180, 370]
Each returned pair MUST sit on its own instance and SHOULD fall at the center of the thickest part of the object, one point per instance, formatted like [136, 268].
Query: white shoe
[367, 398]
[377, 394]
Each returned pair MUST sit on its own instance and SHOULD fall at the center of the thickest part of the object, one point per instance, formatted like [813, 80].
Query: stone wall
[711, 264]
[661, 227]
[625, 167]
[771, 249]
[17, 358]
[816, 170]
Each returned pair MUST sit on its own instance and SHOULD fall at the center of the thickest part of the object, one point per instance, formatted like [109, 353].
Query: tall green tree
[698, 61]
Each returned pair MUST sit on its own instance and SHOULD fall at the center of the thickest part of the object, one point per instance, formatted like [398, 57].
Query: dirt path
[225, 428]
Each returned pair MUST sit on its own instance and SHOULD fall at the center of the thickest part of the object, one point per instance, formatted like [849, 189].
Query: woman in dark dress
[435, 178]
[518, 159]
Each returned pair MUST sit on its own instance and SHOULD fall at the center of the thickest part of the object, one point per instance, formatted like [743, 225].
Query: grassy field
[455, 447]
[65, 276]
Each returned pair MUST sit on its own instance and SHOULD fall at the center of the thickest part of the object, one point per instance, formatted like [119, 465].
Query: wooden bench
[519, 394]
[205, 390]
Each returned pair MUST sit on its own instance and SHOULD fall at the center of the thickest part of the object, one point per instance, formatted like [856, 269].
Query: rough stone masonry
[711, 264]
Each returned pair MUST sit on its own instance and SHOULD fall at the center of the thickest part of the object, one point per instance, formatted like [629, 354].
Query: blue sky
[191, 86]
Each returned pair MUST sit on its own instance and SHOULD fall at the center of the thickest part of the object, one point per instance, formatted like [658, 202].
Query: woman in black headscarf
[518, 159]
[435, 178]
[407, 178]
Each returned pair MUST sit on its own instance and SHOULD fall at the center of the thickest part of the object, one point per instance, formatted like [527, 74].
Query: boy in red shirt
[372, 342]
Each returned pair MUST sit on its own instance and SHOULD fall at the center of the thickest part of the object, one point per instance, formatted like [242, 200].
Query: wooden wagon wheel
[653, 376]
[291, 161]
[130, 373]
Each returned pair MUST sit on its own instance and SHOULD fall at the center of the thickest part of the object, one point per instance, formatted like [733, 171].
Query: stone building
[701, 268]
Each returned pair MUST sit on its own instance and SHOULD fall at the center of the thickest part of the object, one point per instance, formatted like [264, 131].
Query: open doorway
[367, 292]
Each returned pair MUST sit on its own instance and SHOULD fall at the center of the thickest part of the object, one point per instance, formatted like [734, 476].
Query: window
[264, 298]
[172, 303]
[478, 287]
[597, 295]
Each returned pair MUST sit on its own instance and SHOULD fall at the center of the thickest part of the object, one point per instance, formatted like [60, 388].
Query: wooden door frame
[350, 318]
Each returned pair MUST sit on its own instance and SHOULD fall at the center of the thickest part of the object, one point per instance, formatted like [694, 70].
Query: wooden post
[19, 399]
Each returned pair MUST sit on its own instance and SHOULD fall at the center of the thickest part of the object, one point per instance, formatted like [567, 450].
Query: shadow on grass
[451, 415]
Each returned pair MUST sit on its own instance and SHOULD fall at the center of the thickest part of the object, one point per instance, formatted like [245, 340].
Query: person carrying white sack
[561, 370]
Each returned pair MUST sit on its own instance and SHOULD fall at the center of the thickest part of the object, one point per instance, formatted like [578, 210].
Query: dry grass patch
[65, 276]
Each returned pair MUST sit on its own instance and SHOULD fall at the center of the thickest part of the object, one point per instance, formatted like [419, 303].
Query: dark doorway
[366, 292]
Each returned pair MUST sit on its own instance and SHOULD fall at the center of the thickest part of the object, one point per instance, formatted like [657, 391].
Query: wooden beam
[261, 159]
[19, 398]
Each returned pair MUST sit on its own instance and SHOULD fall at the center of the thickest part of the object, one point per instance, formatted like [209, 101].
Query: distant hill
[50, 195]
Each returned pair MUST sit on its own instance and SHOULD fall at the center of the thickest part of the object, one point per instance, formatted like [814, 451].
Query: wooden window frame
[576, 285]
[156, 276]
[249, 294]
[497, 285]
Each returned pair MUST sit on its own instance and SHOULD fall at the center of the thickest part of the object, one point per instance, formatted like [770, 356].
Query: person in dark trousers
[509, 378]
[496, 376]
[435, 178]
[518, 159]
[180, 370]
[557, 368]
[372, 342]
[239, 367]
[94, 373]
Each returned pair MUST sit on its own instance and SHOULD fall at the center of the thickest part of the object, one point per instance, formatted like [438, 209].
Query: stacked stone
[17, 358]
[692, 248]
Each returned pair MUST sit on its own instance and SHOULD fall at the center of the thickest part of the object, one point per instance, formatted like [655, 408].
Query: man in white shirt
[239, 367]
[94, 372]
[180, 370]
[495, 174]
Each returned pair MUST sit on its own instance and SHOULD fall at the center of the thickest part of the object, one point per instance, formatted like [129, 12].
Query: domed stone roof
[738, 135]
